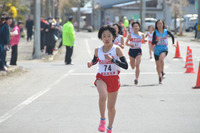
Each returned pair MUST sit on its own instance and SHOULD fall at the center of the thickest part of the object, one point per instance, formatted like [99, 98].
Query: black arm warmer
[122, 64]
[94, 60]
[154, 39]
[172, 36]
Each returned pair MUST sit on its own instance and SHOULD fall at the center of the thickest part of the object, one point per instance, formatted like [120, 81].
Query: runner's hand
[158, 39]
[108, 57]
[89, 64]
[174, 45]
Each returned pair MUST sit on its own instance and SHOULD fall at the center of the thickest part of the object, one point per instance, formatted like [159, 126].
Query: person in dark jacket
[29, 28]
[42, 33]
[195, 28]
[4, 42]
[51, 41]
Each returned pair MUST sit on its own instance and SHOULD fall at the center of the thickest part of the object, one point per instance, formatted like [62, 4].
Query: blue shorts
[158, 49]
[135, 52]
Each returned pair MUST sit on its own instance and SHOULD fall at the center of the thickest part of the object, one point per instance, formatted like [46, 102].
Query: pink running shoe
[102, 126]
[109, 131]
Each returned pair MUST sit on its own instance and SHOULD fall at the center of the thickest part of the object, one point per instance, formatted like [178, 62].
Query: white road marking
[31, 99]
[88, 48]
[175, 59]
[143, 73]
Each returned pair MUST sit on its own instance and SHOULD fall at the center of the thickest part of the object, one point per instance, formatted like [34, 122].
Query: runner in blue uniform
[161, 47]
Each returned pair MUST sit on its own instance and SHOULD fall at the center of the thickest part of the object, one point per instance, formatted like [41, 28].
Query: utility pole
[142, 14]
[36, 49]
[198, 24]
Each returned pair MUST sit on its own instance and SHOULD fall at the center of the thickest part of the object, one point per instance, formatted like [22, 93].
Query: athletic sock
[110, 128]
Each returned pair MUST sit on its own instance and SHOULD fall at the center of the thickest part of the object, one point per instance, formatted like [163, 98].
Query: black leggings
[14, 54]
[157, 57]
[49, 50]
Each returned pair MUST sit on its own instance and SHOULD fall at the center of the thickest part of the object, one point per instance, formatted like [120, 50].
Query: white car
[149, 22]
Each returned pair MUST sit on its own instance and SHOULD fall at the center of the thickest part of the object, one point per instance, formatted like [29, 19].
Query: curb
[195, 40]
[11, 69]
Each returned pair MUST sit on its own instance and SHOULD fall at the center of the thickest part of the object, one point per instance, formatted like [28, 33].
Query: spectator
[14, 41]
[195, 28]
[126, 23]
[108, 22]
[29, 28]
[4, 42]
[58, 28]
[68, 39]
[126, 26]
[42, 33]
[51, 41]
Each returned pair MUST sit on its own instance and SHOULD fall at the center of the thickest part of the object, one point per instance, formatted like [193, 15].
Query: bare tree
[177, 9]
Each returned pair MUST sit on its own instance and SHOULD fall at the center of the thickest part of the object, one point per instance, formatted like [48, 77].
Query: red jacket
[14, 40]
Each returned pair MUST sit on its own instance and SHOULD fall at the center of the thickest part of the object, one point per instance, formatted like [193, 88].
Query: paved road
[55, 98]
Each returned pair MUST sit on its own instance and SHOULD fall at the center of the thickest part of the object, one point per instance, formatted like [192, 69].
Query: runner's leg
[137, 71]
[132, 62]
[102, 89]
[161, 59]
[112, 98]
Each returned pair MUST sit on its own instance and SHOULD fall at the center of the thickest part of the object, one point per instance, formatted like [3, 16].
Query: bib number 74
[107, 68]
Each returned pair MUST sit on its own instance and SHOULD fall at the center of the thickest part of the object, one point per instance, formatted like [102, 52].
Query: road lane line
[31, 99]
[88, 48]
[143, 73]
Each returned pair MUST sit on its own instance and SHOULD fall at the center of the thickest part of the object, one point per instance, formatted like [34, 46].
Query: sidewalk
[25, 50]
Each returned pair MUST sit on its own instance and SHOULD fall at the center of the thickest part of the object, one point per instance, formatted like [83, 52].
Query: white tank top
[136, 40]
[106, 67]
[118, 39]
[149, 36]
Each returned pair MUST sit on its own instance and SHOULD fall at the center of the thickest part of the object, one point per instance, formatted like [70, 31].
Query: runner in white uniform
[106, 67]
[149, 39]
[110, 58]
[119, 40]
[135, 51]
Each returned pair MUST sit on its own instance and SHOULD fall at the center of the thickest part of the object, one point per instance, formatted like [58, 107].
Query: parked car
[189, 21]
[171, 27]
[149, 21]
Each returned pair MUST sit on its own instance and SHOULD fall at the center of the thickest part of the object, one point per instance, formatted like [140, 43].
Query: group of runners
[111, 57]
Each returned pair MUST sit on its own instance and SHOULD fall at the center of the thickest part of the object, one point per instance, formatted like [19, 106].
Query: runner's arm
[172, 36]
[122, 63]
[127, 40]
[154, 42]
[94, 60]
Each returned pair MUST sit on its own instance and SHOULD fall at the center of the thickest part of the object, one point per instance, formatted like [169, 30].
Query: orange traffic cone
[124, 34]
[177, 54]
[188, 50]
[190, 68]
[198, 79]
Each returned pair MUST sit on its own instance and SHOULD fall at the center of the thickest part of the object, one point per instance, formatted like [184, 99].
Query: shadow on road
[148, 85]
